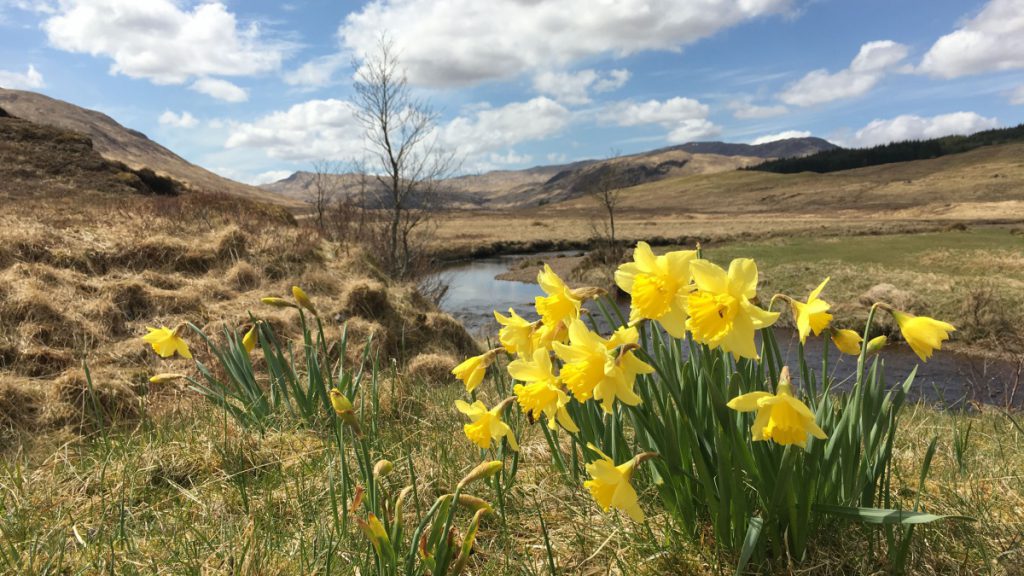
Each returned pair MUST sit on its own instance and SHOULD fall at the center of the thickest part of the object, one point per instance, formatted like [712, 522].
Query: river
[947, 378]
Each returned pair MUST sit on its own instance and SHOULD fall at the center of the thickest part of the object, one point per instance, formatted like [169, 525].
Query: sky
[255, 90]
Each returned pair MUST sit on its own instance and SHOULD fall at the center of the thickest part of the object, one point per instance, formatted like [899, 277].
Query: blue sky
[255, 90]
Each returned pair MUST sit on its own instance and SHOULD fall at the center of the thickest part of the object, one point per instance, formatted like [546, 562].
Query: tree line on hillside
[848, 158]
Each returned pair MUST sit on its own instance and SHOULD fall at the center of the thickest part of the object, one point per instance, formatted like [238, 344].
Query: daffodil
[278, 302]
[303, 299]
[610, 485]
[781, 417]
[559, 304]
[344, 409]
[877, 343]
[251, 338]
[541, 393]
[486, 425]
[658, 286]
[848, 341]
[472, 370]
[165, 378]
[811, 315]
[924, 334]
[167, 342]
[602, 369]
[516, 334]
[546, 335]
[721, 311]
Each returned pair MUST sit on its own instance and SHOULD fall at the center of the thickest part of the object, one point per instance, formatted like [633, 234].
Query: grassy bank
[183, 490]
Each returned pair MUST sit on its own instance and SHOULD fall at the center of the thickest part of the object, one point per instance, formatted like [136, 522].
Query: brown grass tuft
[243, 277]
[432, 368]
[449, 335]
[42, 362]
[20, 407]
[367, 299]
[101, 403]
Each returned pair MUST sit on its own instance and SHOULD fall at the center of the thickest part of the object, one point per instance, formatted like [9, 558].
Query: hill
[836, 159]
[556, 183]
[116, 142]
[38, 161]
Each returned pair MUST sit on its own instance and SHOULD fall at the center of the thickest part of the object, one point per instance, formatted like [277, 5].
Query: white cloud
[992, 40]
[492, 129]
[463, 42]
[305, 132]
[574, 87]
[270, 177]
[745, 109]
[557, 158]
[1017, 97]
[220, 89]
[872, 63]
[510, 158]
[784, 135]
[37, 6]
[316, 73]
[910, 127]
[183, 120]
[685, 118]
[159, 41]
[30, 80]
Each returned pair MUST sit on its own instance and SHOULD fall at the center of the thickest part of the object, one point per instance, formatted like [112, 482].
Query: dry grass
[82, 280]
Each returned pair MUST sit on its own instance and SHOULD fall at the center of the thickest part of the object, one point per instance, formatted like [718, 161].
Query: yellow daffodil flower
[811, 315]
[472, 370]
[167, 342]
[924, 334]
[721, 311]
[516, 334]
[602, 369]
[781, 417]
[658, 286]
[303, 299]
[544, 336]
[541, 393]
[848, 341]
[610, 485]
[560, 304]
[486, 425]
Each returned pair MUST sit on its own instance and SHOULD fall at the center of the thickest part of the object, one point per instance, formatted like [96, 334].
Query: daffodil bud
[877, 343]
[400, 502]
[165, 378]
[251, 338]
[303, 299]
[485, 470]
[382, 468]
[277, 302]
[474, 503]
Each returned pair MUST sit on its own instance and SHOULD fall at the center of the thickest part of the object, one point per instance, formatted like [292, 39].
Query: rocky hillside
[130, 147]
[38, 161]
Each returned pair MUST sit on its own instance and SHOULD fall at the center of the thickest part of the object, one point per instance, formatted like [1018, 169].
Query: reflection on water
[949, 378]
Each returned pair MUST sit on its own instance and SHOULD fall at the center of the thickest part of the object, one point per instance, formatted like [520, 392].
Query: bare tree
[324, 189]
[607, 189]
[406, 158]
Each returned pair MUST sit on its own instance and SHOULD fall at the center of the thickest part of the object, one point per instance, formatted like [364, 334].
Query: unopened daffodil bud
[303, 299]
[485, 470]
[877, 343]
[277, 302]
[165, 378]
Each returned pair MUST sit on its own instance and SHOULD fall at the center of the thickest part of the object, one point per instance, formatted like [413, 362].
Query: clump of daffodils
[560, 365]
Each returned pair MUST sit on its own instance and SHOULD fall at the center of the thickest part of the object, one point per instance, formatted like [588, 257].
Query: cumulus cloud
[910, 127]
[31, 79]
[270, 177]
[745, 109]
[220, 89]
[685, 118]
[575, 87]
[316, 73]
[872, 63]
[1017, 97]
[992, 40]
[464, 42]
[159, 41]
[492, 129]
[784, 135]
[305, 132]
[183, 120]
